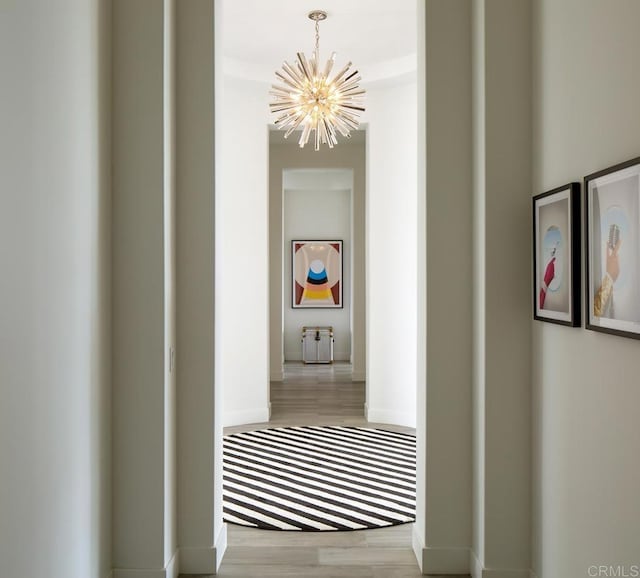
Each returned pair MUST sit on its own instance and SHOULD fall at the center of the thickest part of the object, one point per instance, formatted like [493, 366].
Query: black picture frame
[612, 249]
[556, 255]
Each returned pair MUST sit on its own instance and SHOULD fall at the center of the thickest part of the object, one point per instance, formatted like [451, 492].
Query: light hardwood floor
[318, 395]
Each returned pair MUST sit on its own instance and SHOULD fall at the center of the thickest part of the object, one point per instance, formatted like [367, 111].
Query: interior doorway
[244, 182]
[317, 195]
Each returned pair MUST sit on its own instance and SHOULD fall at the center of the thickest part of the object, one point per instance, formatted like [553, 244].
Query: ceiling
[378, 36]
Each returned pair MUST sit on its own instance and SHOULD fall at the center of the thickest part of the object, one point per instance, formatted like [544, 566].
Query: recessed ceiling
[372, 34]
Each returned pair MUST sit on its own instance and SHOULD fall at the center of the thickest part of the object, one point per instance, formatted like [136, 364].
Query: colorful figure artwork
[316, 274]
[613, 245]
[556, 257]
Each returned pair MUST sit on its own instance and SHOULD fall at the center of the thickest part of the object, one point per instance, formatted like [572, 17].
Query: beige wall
[474, 504]
[55, 417]
[444, 386]
[502, 345]
[586, 443]
[144, 434]
[199, 407]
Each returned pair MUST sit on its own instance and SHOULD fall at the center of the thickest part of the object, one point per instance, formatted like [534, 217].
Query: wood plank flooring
[318, 395]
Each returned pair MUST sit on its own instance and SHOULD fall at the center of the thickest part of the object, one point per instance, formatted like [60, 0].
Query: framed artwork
[316, 274]
[612, 240]
[556, 255]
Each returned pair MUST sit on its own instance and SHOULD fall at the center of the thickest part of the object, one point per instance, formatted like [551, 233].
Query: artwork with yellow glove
[613, 249]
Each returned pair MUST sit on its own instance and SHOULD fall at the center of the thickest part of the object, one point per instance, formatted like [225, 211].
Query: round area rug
[315, 478]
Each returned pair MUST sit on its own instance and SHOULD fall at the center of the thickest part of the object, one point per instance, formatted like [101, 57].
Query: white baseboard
[417, 541]
[173, 567]
[221, 546]
[440, 561]
[475, 567]
[245, 416]
[198, 560]
[478, 571]
[125, 573]
[391, 417]
[297, 356]
[276, 376]
[204, 560]
[359, 376]
[533, 574]
[171, 570]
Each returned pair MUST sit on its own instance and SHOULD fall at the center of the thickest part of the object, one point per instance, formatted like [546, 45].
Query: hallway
[318, 395]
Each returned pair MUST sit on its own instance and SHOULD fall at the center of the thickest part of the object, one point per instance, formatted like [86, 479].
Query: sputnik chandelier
[310, 101]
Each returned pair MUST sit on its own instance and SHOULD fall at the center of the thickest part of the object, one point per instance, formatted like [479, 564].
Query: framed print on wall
[612, 217]
[316, 274]
[556, 255]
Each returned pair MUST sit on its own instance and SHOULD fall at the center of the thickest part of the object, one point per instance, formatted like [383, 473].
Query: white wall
[54, 290]
[392, 258]
[586, 395]
[317, 211]
[242, 251]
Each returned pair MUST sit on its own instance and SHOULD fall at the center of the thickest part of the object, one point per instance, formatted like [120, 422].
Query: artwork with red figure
[556, 242]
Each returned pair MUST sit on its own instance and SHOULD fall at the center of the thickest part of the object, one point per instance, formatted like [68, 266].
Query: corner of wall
[204, 560]
[246, 416]
[477, 570]
[171, 570]
[402, 418]
[434, 561]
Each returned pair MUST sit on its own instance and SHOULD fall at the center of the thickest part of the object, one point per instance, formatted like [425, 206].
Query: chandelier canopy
[312, 101]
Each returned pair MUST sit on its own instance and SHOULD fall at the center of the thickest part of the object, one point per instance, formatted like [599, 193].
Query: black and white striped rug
[319, 478]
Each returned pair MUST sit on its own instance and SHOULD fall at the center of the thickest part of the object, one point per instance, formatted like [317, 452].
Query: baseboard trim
[439, 561]
[221, 546]
[276, 376]
[297, 356]
[417, 542]
[173, 567]
[171, 570]
[478, 571]
[198, 560]
[475, 566]
[533, 574]
[391, 417]
[359, 376]
[245, 416]
[205, 560]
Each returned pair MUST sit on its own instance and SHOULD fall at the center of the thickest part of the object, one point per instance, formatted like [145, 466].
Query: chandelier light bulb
[309, 100]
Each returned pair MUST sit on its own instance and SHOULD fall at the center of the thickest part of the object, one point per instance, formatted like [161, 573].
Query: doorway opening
[381, 357]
